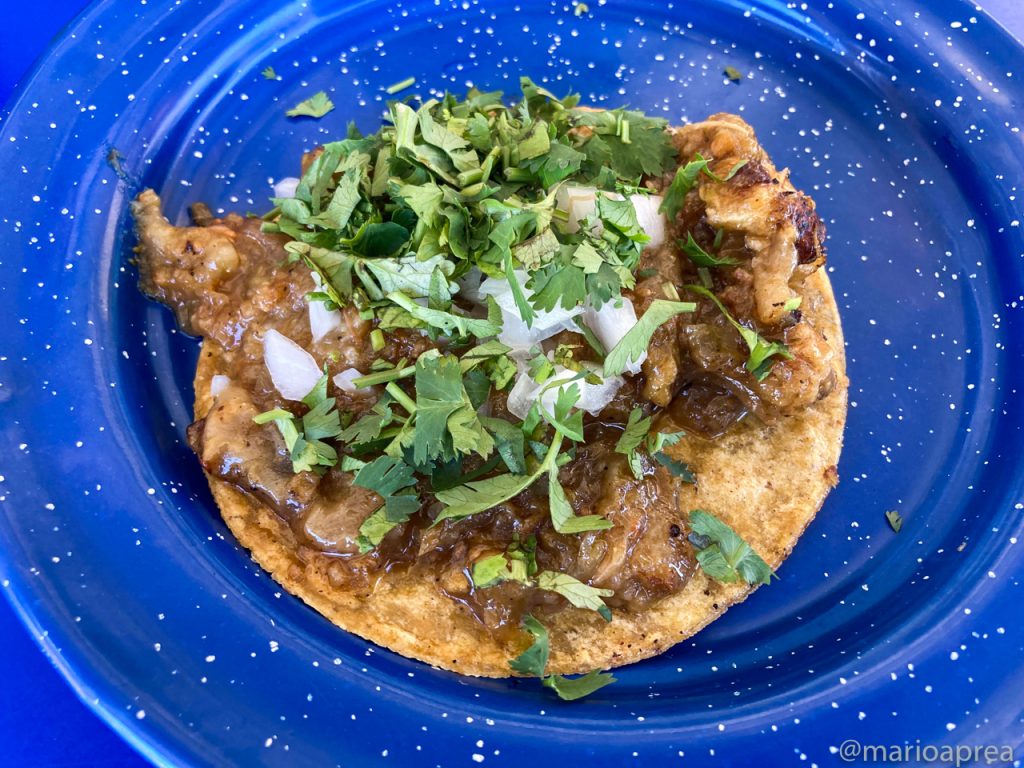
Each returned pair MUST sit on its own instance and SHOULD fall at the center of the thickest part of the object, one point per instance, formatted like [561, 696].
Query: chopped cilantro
[401, 85]
[304, 436]
[895, 520]
[763, 353]
[534, 660]
[684, 180]
[723, 555]
[634, 344]
[677, 468]
[489, 571]
[269, 73]
[733, 74]
[572, 688]
[576, 592]
[481, 495]
[700, 257]
[563, 518]
[316, 106]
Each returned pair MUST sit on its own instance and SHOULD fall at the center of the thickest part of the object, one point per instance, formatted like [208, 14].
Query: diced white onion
[526, 391]
[514, 332]
[611, 323]
[649, 219]
[322, 320]
[218, 384]
[292, 369]
[286, 187]
[581, 202]
[343, 381]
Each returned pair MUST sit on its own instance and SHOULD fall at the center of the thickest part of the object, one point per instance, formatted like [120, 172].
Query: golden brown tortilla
[766, 482]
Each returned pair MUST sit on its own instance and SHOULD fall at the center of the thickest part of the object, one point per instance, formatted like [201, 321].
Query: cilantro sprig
[685, 179]
[634, 343]
[305, 436]
[763, 353]
[722, 554]
[637, 439]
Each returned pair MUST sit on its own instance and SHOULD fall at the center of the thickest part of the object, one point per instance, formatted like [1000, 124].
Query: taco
[528, 390]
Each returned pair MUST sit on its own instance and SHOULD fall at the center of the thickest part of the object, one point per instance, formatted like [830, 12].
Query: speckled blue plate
[902, 121]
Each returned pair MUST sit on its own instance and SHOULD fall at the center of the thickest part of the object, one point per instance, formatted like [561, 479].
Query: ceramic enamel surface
[903, 125]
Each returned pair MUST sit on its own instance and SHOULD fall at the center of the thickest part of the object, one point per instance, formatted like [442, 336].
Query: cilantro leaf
[560, 162]
[385, 476]
[573, 688]
[727, 557]
[683, 181]
[304, 436]
[677, 468]
[450, 322]
[558, 284]
[700, 257]
[633, 345]
[562, 516]
[566, 422]
[489, 571]
[635, 432]
[763, 353]
[389, 478]
[576, 592]
[481, 495]
[316, 106]
[269, 73]
[895, 520]
[631, 438]
[636, 145]
[534, 659]
[509, 442]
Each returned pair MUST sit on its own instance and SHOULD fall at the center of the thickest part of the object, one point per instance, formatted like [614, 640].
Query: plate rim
[152, 743]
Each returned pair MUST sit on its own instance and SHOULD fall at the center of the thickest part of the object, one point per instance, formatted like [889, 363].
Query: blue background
[41, 721]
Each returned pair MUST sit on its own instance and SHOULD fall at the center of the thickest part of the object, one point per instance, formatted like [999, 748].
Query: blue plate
[902, 123]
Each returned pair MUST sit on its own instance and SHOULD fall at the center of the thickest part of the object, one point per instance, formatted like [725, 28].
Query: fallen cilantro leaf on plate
[895, 520]
[269, 73]
[572, 688]
[316, 106]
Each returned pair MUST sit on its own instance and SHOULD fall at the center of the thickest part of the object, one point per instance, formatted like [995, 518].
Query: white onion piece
[611, 323]
[521, 339]
[578, 203]
[343, 381]
[651, 222]
[593, 397]
[286, 187]
[292, 369]
[322, 320]
[581, 202]
[218, 384]
[514, 332]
